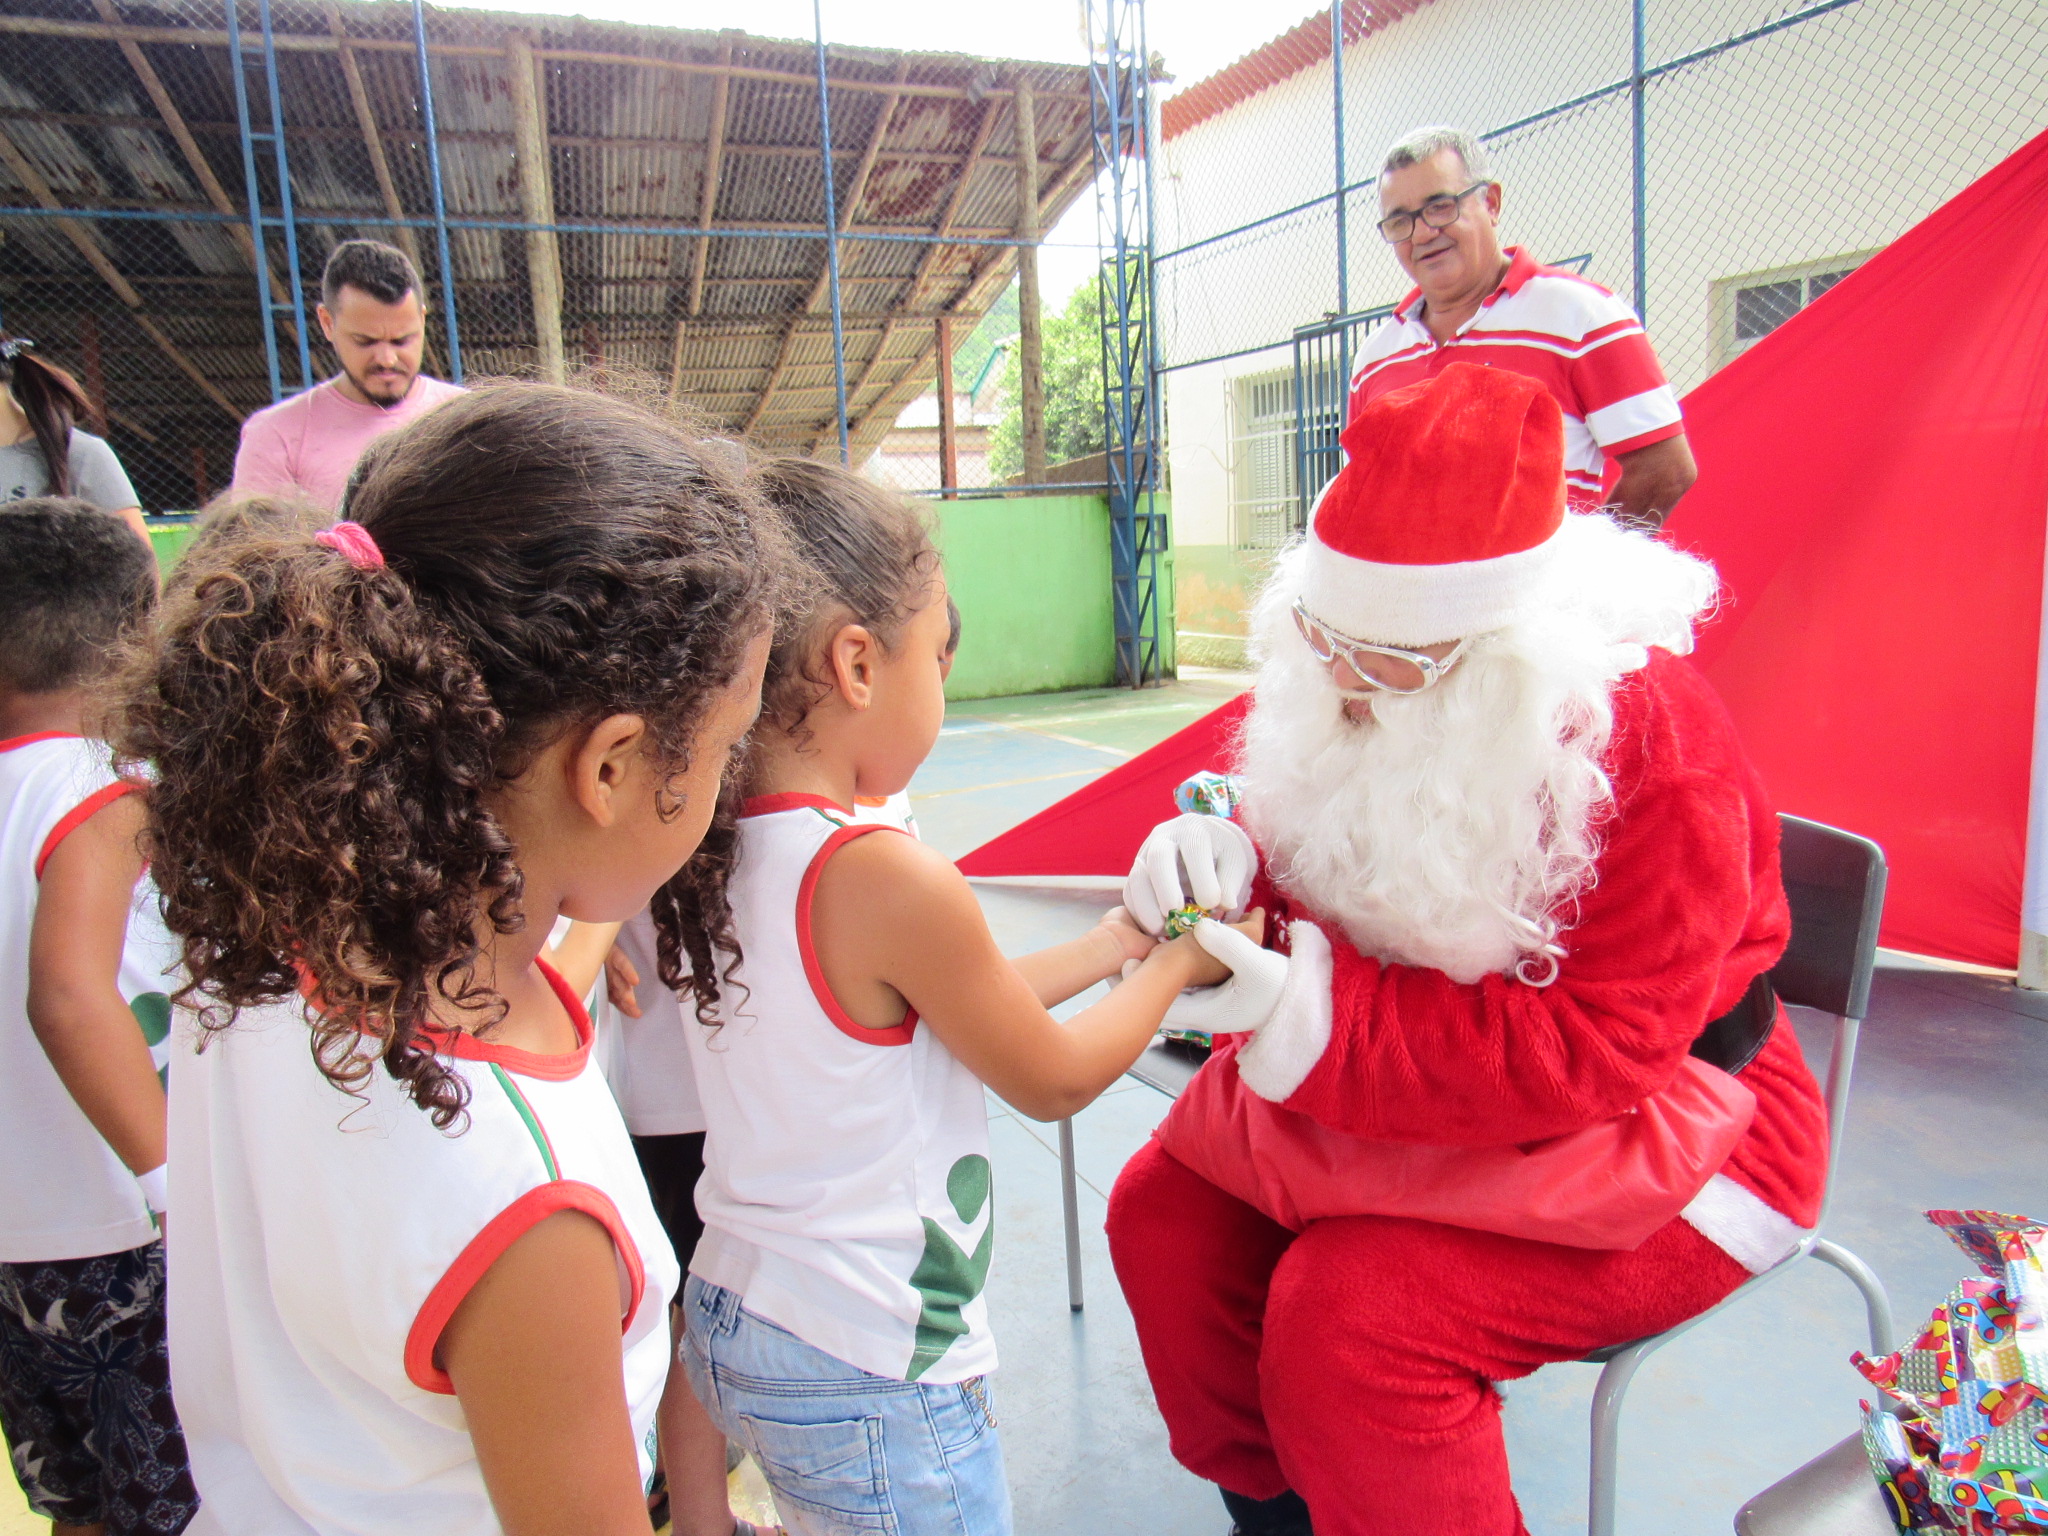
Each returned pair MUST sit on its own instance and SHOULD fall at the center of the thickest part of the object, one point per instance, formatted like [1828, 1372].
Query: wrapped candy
[1183, 919]
[1208, 794]
[1966, 1448]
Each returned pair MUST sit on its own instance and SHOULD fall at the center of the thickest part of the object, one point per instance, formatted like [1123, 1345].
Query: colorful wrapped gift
[1964, 1446]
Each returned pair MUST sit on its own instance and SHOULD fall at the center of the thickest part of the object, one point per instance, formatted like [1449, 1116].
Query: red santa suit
[1353, 1361]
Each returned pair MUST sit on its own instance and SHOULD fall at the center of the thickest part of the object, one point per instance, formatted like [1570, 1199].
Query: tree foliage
[1073, 389]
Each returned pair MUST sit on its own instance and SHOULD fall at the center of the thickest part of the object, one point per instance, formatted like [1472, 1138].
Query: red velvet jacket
[1686, 908]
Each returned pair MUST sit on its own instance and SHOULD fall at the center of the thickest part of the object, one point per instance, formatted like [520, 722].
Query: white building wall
[1826, 139]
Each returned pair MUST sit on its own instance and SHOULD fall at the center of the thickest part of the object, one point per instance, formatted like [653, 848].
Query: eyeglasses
[1384, 668]
[1440, 212]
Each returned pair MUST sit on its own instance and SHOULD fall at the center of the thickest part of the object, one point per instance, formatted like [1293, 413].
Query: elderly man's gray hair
[1424, 142]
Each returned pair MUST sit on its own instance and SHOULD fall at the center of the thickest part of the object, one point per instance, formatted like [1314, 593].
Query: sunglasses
[1385, 668]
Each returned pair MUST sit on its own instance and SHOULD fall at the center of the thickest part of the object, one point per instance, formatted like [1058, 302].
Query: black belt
[1732, 1041]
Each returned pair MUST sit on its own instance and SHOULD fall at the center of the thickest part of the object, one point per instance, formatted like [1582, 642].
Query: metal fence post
[419, 37]
[1640, 200]
[831, 232]
[1343, 202]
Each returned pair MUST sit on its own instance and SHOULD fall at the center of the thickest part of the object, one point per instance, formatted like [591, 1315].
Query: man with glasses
[1521, 883]
[1475, 302]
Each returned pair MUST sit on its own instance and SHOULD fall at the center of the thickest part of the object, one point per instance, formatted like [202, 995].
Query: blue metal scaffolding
[292, 301]
[1121, 109]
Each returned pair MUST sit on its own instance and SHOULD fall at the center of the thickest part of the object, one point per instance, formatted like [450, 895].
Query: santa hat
[1446, 518]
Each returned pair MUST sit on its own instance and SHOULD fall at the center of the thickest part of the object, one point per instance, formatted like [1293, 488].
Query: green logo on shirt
[947, 1278]
[152, 1011]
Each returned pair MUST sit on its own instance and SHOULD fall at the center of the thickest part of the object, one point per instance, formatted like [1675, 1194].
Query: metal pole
[831, 231]
[1155, 521]
[284, 197]
[2034, 890]
[1070, 1212]
[1343, 210]
[238, 70]
[419, 38]
[1636, 124]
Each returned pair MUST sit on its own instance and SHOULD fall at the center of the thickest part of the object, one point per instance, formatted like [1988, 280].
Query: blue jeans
[847, 1453]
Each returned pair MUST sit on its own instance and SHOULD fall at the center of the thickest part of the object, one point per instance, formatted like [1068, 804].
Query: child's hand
[1201, 968]
[621, 976]
[1121, 932]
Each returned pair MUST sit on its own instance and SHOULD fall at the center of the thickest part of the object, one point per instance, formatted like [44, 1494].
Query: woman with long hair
[42, 452]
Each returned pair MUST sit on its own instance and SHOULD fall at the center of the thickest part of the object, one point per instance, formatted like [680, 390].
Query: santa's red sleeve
[1686, 908]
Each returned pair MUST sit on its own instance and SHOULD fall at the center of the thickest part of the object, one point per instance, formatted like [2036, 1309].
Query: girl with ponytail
[42, 452]
[419, 1282]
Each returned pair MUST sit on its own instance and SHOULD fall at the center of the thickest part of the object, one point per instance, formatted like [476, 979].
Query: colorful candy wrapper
[1208, 794]
[1966, 1446]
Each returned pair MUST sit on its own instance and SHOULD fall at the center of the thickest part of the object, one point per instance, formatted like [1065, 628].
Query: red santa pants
[1355, 1362]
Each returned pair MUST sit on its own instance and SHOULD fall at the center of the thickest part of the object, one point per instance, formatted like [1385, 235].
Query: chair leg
[1071, 1204]
[1876, 1304]
[1606, 1463]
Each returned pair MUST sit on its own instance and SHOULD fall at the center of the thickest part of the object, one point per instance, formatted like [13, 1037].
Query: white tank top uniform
[65, 1194]
[323, 1240]
[648, 1059]
[846, 1189]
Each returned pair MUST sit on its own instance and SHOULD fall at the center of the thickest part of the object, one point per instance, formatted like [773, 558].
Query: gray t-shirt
[96, 475]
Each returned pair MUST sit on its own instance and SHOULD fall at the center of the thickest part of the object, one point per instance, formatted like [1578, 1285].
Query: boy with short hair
[85, 1399]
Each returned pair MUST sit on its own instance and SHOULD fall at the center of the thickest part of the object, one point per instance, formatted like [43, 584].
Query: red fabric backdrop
[1873, 489]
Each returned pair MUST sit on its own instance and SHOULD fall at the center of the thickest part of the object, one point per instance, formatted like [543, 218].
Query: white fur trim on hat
[1413, 605]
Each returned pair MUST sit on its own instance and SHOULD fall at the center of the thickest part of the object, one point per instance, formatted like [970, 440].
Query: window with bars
[1263, 442]
[1747, 309]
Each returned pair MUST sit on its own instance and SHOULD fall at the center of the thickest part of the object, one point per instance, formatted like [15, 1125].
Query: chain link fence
[1780, 146]
[628, 204]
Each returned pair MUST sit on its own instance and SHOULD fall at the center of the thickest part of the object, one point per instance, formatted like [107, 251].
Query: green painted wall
[1031, 575]
[168, 539]
[1214, 588]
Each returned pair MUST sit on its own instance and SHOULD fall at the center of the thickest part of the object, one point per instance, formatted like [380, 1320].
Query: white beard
[1456, 828]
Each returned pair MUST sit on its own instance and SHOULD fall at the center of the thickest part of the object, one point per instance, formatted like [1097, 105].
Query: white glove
[1207, 860]
[1247, 1000]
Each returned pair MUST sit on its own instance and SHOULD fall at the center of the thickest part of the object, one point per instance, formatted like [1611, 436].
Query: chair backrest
[1835, 883]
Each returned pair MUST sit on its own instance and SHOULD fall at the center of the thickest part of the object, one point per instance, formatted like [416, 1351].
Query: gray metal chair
[1835, 882]
[1832, 1495]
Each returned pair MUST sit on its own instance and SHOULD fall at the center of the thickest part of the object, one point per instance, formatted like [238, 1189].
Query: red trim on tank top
[35, 736]
[555, 1067]
[845, 1023]
[79, 814]
[769, 805]
[423, 1339]
[551, 1067]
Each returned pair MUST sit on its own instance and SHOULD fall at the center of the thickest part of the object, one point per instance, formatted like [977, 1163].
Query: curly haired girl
[835, 1320]
[419, 1284]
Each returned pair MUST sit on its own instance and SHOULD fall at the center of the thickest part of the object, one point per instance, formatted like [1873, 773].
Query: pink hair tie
[353, 541]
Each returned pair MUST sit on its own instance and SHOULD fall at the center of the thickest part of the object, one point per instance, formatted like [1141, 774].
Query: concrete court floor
[1946, 1113]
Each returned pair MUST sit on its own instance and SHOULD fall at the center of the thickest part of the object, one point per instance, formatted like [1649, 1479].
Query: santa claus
[1523, 889]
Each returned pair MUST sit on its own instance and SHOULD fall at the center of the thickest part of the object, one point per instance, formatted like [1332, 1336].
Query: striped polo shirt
[1567, 332]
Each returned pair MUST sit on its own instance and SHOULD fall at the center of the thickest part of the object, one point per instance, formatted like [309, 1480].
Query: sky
[1196, 38]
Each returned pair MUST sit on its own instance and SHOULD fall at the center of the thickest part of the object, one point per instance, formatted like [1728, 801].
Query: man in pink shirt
[307, 446]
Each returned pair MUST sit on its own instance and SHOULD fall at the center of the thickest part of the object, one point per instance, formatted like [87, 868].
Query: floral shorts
[85, 1393]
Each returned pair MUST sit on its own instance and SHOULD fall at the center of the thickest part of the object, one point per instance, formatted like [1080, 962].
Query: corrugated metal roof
[634, 126]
